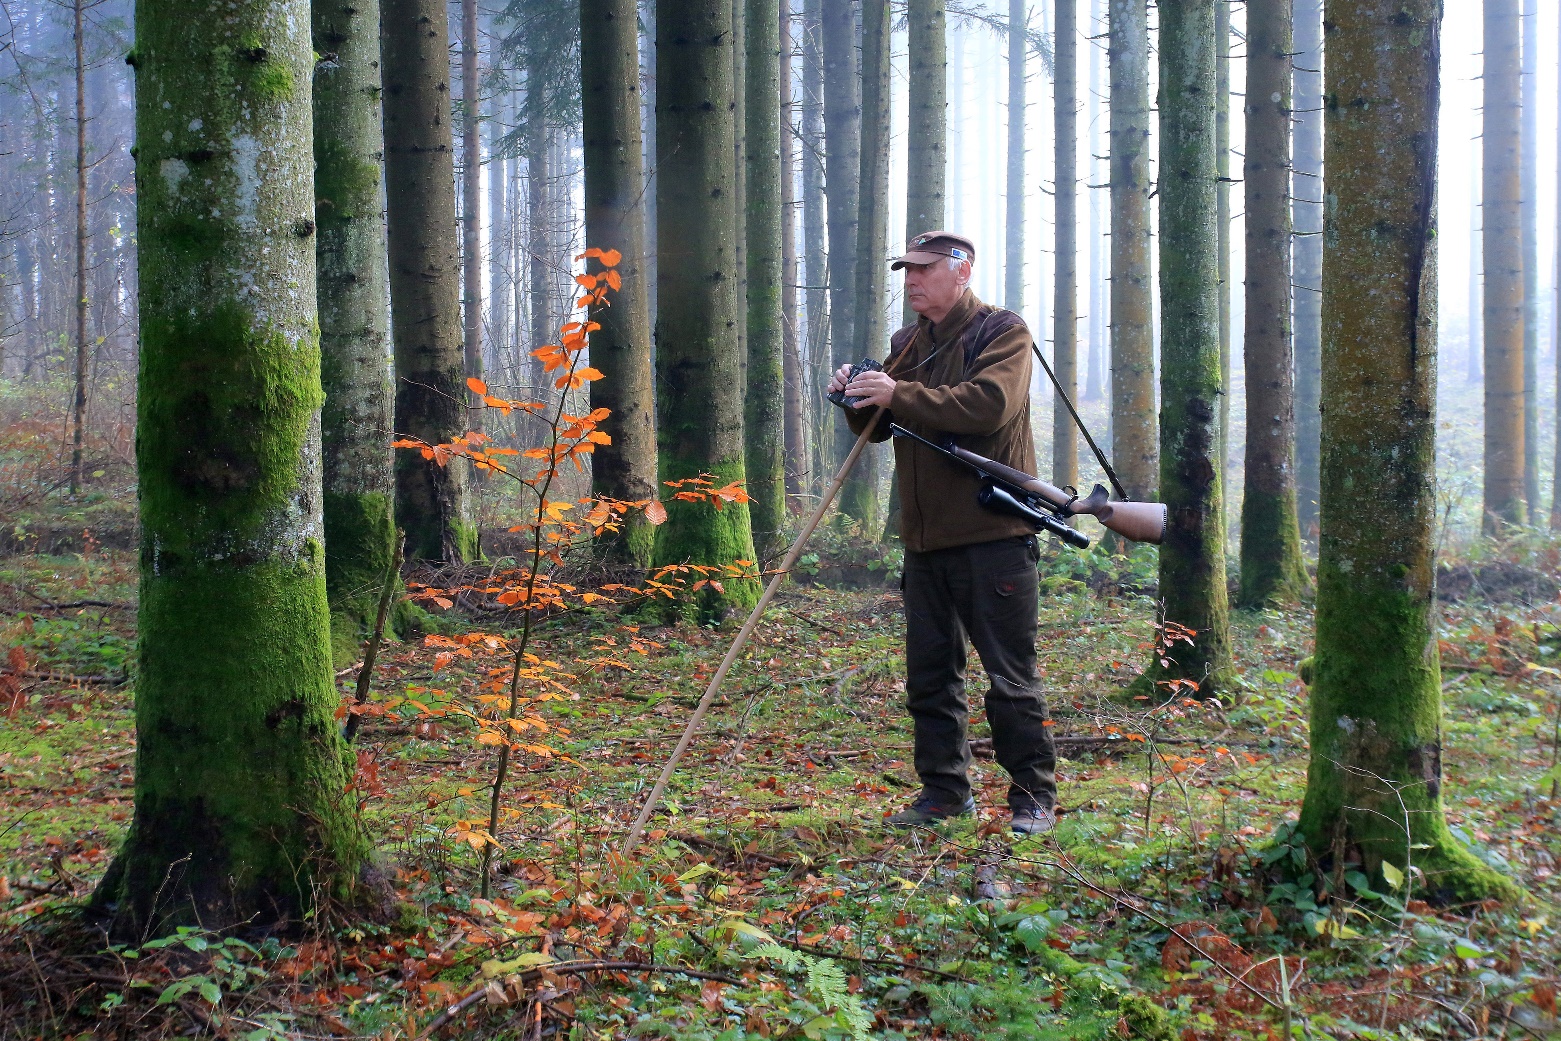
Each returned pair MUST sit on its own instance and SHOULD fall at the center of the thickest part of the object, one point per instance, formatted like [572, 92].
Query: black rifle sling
[1111, 474]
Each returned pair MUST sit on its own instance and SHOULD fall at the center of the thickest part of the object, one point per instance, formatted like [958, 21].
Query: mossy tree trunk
[425, 297]
[354, 311]
[859, 496]
[1134, 440]
[1222, 190]
[842, 192]
[1306, 212]
[700, 404]
[815, 256]
[926, 139]
[1013, 262]
[764, 416]
[1192, 558]
[471, 209]
[1528, 188]
[794, 421]
[1374, 780]
[1271, 566]
[1065, 304]
[1503, 248]
[240, 817]
[615, 220]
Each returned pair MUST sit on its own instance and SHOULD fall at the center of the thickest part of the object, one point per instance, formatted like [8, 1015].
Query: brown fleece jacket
[967, 377]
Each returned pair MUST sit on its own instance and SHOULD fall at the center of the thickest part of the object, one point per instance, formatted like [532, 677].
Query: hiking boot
[928, 810]
[1032, 819]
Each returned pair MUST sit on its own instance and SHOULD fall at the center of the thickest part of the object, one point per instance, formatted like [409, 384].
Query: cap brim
[918, 257]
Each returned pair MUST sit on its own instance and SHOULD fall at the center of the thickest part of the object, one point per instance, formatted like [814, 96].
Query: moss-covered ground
[770, 868]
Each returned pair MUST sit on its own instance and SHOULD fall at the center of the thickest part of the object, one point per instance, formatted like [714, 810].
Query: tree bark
[354, 311]
[1529, 215]
[1192, 558]
[539, 172]
[431, 500]
[842, 168]
[1306, 192]
[1134, 439]
[1065, 306]
[1503, 246]
[795, 422]
[1374, 781]
[815, 254]
[615, 220]
[1013, 265]
[764, 407]
[79, 403]
[1476, 370]
[1271, 566]
[700, 401]
[1099, 287]
[1222, 190]
[240, 820]
[927, 128]
[471, 210]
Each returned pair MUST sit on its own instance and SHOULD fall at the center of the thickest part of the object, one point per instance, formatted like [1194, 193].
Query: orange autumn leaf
[656, 513]
[476, 386]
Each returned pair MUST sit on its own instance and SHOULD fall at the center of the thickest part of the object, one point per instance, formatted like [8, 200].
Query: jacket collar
[953, 323]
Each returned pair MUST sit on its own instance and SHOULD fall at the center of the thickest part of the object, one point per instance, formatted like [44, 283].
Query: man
[962, 371]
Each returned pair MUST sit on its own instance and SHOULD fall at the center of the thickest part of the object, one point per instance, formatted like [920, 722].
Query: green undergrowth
[768, 864]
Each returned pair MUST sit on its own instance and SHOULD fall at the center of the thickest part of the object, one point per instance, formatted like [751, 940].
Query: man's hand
[838, 381]
[870, 388]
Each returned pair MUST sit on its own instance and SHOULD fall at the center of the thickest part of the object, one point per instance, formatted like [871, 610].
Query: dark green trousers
[987, 593]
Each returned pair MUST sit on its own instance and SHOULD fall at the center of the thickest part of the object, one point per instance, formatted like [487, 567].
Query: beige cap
[931, 246]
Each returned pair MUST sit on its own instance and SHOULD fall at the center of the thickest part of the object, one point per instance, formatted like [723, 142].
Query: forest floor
[1171, 882]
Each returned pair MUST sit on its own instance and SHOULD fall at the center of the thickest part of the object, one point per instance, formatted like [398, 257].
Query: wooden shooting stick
[747, 630]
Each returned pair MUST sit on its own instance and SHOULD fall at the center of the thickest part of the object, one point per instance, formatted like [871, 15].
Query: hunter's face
[932, 289]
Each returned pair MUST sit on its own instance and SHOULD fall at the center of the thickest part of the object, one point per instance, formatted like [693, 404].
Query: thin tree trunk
[1099, 288]
[354, 308]
[1476, 369]
[1271, 566]
[740, 178]
[1013, 266]
[1555, 341]
[648, 132]
[1306, 192]
[859, 497]
[1134, 439]
[1503, 245]
[471, 210]
[1374, 783]
[431, 500]
[1222, 189]
[1065, 447]
[927, 133]
[79, 405]
[499, 234]
[539, 172]
[1192, 558]
[700, 401]
[815, 256]
[1529, 215]
[842, 168]
[795, 424]
[239, 815]
[615, 220]
[764, 434]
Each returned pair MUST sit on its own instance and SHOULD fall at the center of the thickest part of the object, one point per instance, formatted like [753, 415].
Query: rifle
[1014, 492]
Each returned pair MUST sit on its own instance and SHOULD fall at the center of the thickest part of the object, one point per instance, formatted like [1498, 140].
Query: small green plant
[826, 987]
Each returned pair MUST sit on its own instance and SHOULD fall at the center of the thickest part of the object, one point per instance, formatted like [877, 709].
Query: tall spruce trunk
[1374, 781]
[471, 210]
[1271, 566]
[1134, 438]
[1222, 190]
[699, 406]
[354, 309]
[1192, 558]
[1099, 285]
[240, 818]
[1306, 211]
[793, 409]
[815, 255]
[740, 177]
[764, 434]
[1503, 247]
[1529, 214]
[1065, 306]
[79, 402]
[432, 504]
[842, 168]
[859, 496]
[500, 245]
[926, 143]
[1013, 263]
[615, 220]
[539, 242]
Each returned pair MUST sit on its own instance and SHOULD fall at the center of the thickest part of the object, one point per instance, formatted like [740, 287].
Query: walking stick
[747, 630]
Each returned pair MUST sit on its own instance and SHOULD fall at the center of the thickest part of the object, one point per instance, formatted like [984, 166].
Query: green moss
[360, 545]
[698, 533]
[346, 185]
[1272, 569]
[272, 82]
